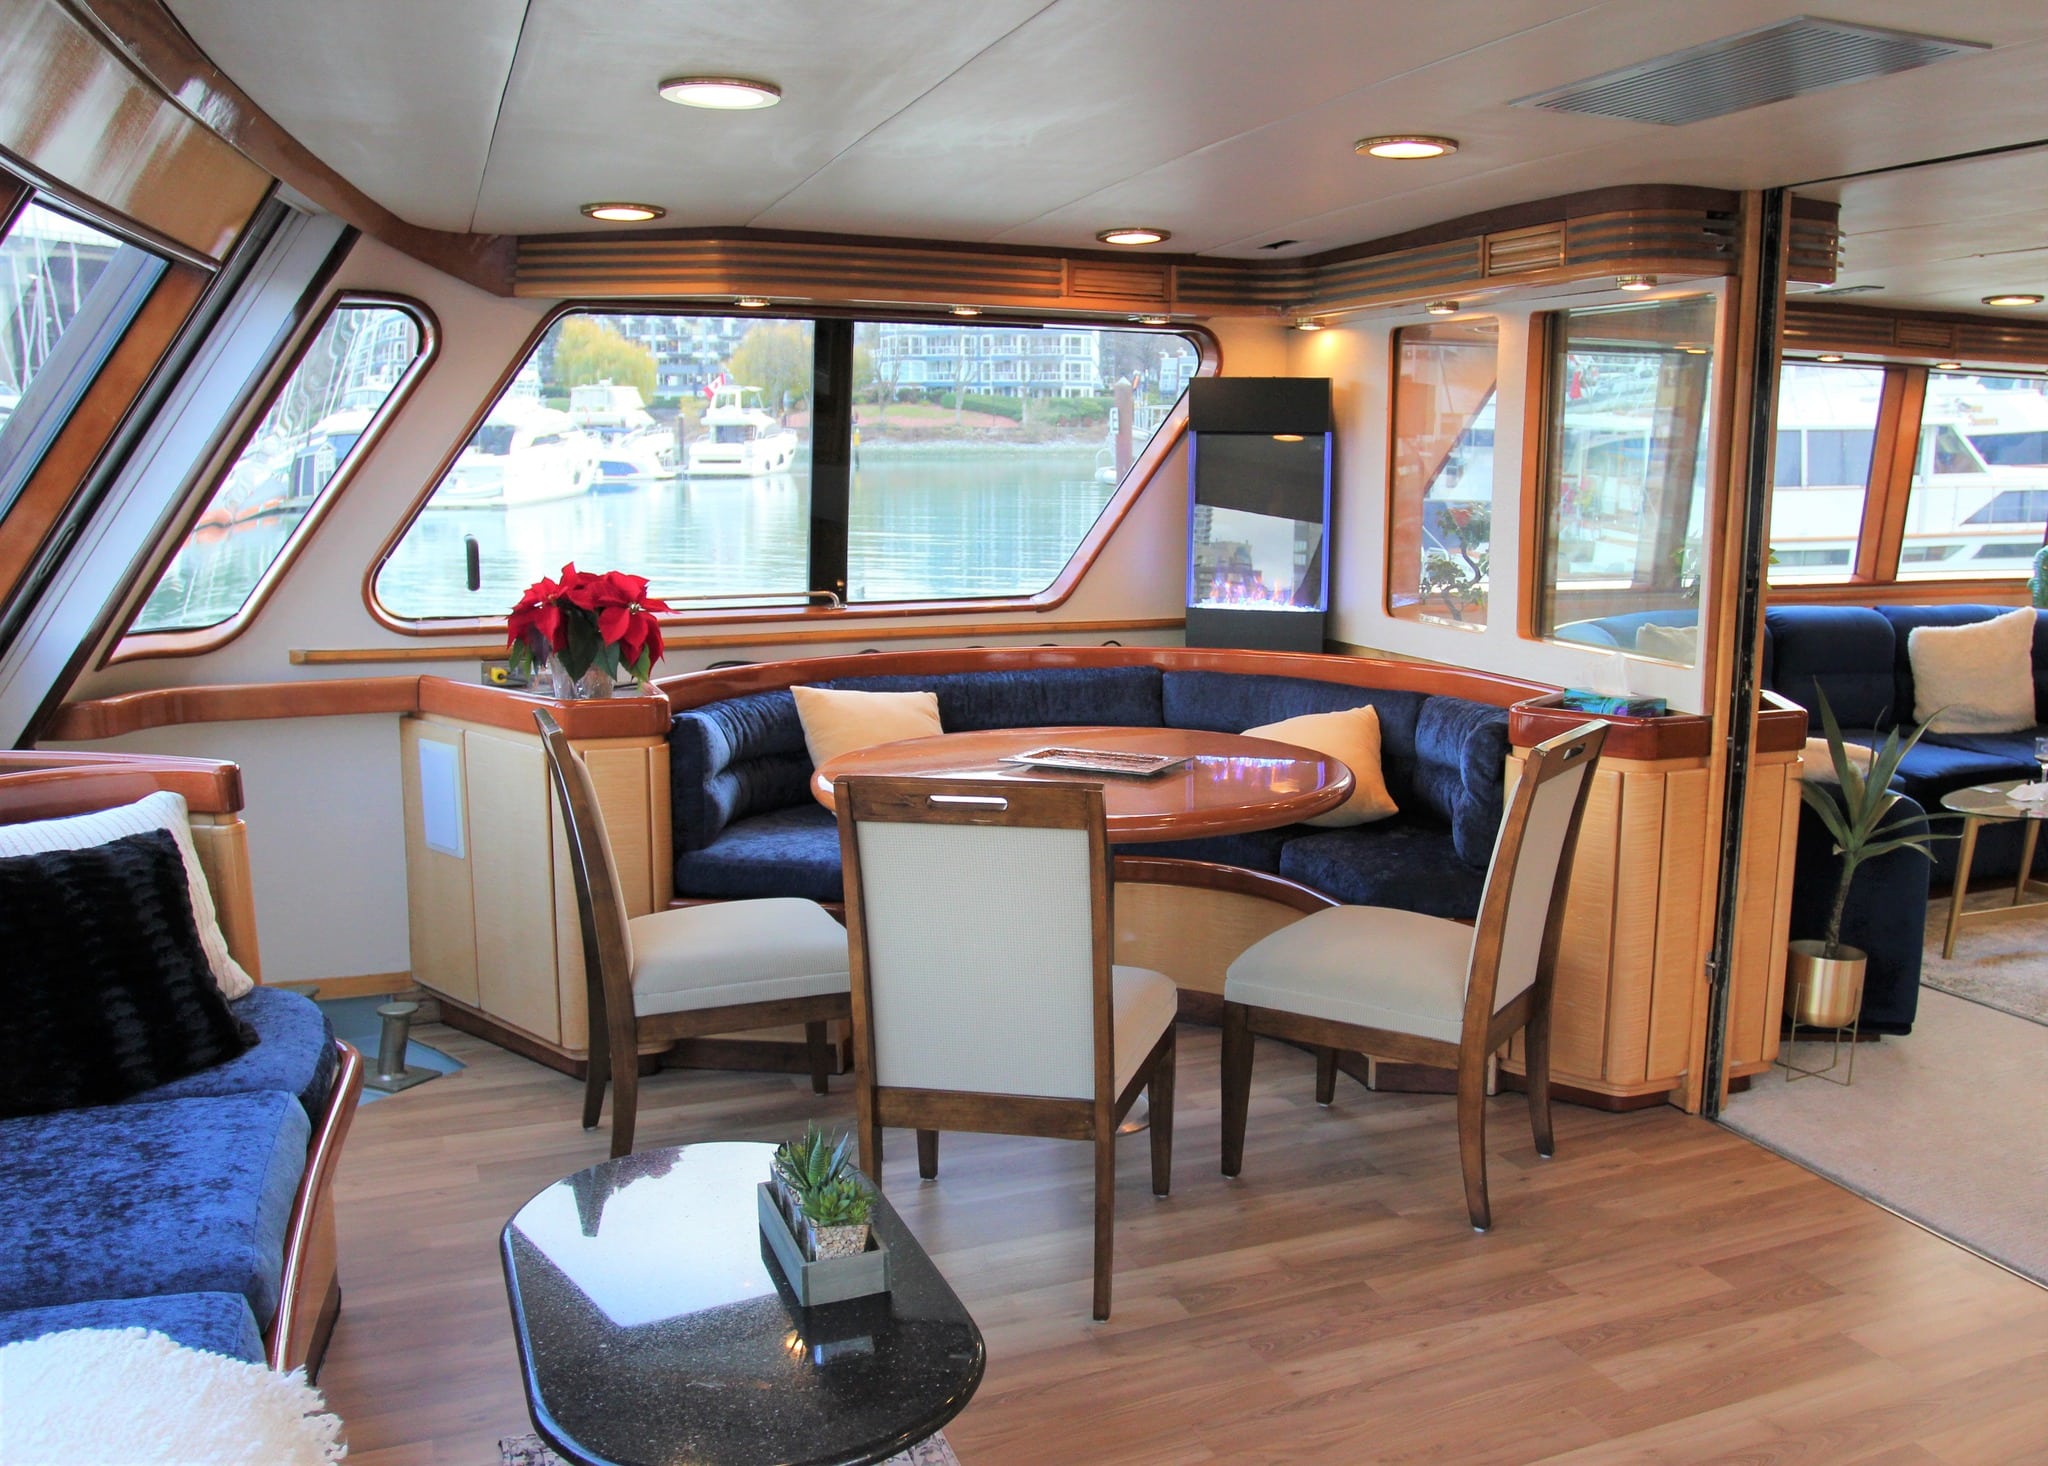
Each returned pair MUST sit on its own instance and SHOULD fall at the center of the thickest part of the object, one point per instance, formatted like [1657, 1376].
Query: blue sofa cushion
[150, 1197]
[1230, 702]
[296, 1053]
[789, 852]
[1933, 768]
[1906, 619]
[1032, 697]
[1461, 751]
[219, 1323]
[1844, 651]
[731, 759]
[106, 987]
[1399, 862]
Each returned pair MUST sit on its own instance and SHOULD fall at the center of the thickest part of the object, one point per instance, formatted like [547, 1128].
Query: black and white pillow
[105, 990]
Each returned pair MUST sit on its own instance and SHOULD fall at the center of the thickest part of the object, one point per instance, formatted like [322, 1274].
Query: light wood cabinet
[491, 896]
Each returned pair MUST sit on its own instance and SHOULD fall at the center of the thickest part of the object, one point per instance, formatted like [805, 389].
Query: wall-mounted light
[1153, 320]
[966, 310]
[721, 93]
[1694, 350]
[1307, 323]
[2012, 299]
[1948, 366]
[1287, 437]
[1635, 282]
[1829, 356]
[751, 302]
[1406, 145]
[1133, 234]
[622, 213]
[1442, 307]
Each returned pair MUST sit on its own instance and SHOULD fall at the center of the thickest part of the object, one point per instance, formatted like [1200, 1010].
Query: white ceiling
[1038, 122]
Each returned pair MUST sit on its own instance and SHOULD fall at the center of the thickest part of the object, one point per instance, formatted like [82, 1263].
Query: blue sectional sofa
[745, 823]
[199, 1208]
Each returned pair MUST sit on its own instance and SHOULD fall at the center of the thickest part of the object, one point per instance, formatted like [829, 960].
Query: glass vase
[594, 683]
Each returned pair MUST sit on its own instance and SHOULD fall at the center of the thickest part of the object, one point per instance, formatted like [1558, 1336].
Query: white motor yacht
[740, 439]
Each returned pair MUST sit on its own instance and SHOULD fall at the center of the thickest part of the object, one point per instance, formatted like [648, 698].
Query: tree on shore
[776, 357]
[588, 351]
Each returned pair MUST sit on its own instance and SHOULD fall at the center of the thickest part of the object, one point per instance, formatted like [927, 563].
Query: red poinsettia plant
[585, 619]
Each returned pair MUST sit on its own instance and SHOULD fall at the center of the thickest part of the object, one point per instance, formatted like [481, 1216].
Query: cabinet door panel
[441, 913]
[511, 827]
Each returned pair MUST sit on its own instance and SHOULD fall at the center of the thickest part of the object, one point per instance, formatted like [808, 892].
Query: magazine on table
[1098, 761]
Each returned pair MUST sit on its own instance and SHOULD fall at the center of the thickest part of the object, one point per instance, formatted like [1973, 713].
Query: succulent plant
[813, 1162]
[840, 1202]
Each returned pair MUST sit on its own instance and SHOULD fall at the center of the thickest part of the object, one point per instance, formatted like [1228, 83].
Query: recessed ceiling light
[1287, 437]
[1442, 307]
[1307, 323]
[2012, 300]
[721, 93]
[1635, 282]
[1133, 234]
[1153, 320]
[622, 213]
[966, 310]
[1406, 145]
[1829, 356]
[1948, 366]
[751, 302]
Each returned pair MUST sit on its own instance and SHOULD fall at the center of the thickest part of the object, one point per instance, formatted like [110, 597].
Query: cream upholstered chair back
[978, 919]
[1521, 910]
[600, 899]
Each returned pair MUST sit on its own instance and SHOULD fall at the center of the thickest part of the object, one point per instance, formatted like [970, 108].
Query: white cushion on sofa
[160, 811]
[1352, 737]
[1977, 678]
[840, 720]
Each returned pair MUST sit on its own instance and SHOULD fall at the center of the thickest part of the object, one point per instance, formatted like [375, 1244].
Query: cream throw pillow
[1977, 678]
[1353, 736]
[1820, 761]
[160, 811]
[838, 721]
[1672, 643]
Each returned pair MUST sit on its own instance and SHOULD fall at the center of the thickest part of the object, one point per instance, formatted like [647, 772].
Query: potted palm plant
[1826, 976]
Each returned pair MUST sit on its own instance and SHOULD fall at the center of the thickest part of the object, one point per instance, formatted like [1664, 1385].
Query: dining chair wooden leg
[625, 1097]
[1326, 1077]
[869, 1129]
[928, 1154]
[1105, 1215]
[819, 1051]
[1237, 1083]
[1472, 1138]
[1536, 1044]
[1159, 1101]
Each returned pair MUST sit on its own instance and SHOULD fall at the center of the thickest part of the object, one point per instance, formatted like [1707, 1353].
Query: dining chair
[1422, 989]
[985, 997]
[721, 967]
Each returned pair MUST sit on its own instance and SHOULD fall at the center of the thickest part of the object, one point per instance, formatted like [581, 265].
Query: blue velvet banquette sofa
[745, 822]
[1859, 656]
[202, 1208]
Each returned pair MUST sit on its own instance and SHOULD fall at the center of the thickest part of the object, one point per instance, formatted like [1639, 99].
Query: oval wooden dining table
[1230, 782]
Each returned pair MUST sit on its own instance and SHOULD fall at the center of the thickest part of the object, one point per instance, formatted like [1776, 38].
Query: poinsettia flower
[622, 589]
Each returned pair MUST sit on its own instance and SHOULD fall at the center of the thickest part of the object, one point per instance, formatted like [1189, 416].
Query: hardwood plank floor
[1662, 1291]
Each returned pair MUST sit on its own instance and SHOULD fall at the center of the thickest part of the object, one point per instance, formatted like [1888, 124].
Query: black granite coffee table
[654, 1328]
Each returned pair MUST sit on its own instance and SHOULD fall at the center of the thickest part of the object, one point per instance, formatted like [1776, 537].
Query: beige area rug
[2002, 964]
[1942, 1126]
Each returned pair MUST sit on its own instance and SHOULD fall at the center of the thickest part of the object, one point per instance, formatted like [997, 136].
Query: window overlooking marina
[1440, 529]
[1979, 501]
[334, 395]
[1827, 433]
[1625, 486]
[681, 447]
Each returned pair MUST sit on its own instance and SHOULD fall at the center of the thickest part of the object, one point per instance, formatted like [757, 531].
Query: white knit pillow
[1352, 737]
[840, 720]
[1670, 643]
[136, 1397]
[1977, 678]
[160, 811]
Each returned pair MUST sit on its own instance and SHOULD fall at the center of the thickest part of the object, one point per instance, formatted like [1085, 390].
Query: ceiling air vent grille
[1771, 64]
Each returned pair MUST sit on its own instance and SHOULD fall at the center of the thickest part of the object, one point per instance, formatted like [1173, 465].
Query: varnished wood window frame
[1881, 538]
[148, 645]
[1208, 349]
[1410, 615]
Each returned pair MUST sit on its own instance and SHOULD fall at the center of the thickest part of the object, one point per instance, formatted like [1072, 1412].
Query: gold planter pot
[1825, 992]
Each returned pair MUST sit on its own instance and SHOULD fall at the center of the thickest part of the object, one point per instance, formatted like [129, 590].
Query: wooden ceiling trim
[126, 149]
[150, 39]
[1914, 336]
